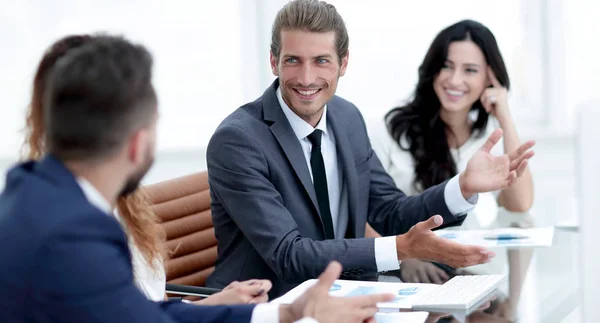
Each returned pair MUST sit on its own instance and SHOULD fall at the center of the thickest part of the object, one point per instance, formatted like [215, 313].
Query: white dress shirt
[262, 313]
[386, 255]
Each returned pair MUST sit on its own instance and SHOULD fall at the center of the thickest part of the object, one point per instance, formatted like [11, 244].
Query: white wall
[203, 69]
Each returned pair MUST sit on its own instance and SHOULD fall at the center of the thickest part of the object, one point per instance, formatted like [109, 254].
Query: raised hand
[495, 99]
[486, 172]
[421, 243]
[317, 303]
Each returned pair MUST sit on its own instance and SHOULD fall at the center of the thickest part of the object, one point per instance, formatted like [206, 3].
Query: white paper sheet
[405, 293]
[533, 237]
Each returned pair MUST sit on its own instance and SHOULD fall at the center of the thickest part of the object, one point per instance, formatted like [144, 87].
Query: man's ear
[344, 64]
[136, 146]
[273, 61]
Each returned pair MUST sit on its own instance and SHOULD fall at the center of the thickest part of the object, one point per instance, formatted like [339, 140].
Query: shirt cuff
[307, 320]
[265, 313]
[454, 199]
[386, 254]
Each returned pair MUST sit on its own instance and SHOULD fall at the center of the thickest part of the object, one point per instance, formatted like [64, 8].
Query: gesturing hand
[486, 172]
[421, 243]
[317, 303]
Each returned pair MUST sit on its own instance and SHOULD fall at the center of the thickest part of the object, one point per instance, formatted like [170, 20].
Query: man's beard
[134, 181]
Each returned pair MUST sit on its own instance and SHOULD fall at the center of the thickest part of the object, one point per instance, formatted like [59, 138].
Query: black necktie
[320, 182]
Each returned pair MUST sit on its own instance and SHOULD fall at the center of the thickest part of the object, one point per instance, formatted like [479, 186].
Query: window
[199, 73]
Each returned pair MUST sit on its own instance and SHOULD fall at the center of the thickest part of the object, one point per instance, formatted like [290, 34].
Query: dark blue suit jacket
[63, 260]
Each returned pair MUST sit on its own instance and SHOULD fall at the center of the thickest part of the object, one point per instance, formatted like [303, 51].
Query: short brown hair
[310, 15]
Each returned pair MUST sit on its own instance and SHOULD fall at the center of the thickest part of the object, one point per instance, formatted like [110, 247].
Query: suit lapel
[283, 132]
[335, 119]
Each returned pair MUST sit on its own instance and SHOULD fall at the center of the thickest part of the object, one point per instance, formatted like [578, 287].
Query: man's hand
[317, 303]
[487, 173]
[421, 243]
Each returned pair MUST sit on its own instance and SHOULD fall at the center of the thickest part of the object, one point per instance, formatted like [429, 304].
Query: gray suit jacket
[265, 209]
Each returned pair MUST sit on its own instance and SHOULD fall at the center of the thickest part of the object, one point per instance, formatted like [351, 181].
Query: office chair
[183, 207]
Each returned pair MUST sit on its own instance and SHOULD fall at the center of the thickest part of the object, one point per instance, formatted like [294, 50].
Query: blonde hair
[140, 222]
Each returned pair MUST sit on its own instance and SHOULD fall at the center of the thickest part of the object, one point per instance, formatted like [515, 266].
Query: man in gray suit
[294, 180]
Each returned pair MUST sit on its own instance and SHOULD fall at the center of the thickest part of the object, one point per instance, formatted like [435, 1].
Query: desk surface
[545, 285]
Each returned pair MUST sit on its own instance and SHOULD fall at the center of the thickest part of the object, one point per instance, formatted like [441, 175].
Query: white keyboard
[459, 293]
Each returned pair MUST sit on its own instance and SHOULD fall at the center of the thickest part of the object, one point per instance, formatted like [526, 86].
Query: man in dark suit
[65, 256]
[294, 180]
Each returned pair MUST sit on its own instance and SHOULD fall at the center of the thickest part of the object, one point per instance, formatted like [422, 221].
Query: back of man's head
[97, 97]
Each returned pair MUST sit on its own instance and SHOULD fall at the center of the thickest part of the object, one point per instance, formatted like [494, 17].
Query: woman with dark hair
[146, 237]
[460, 98]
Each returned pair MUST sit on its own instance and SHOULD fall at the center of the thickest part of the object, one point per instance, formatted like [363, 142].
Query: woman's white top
[401, 167]
[150, 280]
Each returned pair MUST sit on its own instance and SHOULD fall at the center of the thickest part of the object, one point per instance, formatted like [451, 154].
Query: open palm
[486, 172]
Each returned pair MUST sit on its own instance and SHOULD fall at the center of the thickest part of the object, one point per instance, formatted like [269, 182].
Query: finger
[232, 285]
[521, 150]
[443, 275]
[265, 283]
[486, 98]
[475, 259]
[521, 169]
[241, 298]
[371, 300]
[435, 278]
[492, 140]
[493, 79]
[509, 181]
[252, 290]
[416, 279]
[484, 102]
[430, 224]
[485, 306]
[261, 299]
[483, 98]
[457, 255]
[331, 273]
[423, 278]
[436, 274]
[366, 314]
[517, 162]
[252, 282]
[370, 320]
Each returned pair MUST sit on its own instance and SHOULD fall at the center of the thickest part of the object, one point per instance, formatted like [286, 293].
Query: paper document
[405, 293]
[502, 238]
[404, 317]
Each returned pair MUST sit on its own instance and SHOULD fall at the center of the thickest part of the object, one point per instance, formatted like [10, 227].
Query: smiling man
[293, 178]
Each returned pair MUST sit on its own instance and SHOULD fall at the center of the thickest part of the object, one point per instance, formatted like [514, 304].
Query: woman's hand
[246, 292]
[495, 99]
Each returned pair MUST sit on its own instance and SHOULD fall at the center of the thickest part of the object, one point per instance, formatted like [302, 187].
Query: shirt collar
[93, 196]
[301, 128]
